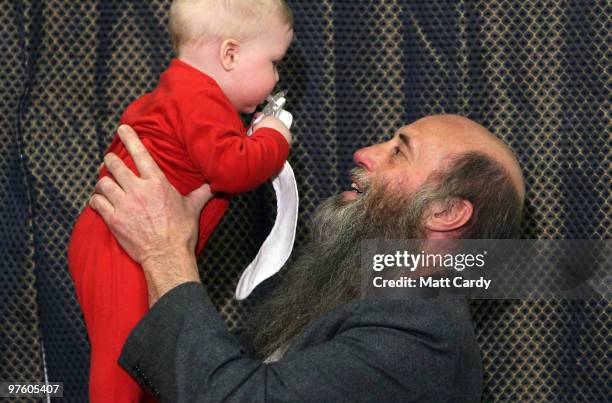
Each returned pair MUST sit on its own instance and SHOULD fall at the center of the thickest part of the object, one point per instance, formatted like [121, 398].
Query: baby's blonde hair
[193, 20]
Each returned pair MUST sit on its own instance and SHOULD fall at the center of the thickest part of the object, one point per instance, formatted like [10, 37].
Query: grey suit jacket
[379, 350]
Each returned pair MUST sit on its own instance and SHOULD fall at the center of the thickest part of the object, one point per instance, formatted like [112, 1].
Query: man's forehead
[422, 138]
[446, 135]
[408, 130]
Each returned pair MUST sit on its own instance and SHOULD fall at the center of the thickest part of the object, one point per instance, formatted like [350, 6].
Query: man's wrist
[167, 270]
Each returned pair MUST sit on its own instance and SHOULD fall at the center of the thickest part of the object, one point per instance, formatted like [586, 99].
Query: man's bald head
[464, 135]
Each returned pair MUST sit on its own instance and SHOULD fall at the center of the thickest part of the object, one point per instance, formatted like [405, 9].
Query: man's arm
[386, 351]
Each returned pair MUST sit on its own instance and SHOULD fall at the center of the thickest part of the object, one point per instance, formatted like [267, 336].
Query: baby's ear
[229, 53]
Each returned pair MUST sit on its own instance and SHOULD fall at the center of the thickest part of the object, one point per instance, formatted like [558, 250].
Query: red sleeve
[230, 161]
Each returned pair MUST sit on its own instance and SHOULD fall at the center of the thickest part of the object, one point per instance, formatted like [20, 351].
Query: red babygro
[196, 136]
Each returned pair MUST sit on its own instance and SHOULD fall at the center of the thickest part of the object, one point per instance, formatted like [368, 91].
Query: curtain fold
[20, 338]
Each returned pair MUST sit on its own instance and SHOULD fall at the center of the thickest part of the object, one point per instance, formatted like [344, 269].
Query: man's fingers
[110, 190]
[198, 198]
[146, 166]
[100, 204]
[122, 174]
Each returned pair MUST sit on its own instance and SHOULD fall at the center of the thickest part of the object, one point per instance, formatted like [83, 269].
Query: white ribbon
[277, 247]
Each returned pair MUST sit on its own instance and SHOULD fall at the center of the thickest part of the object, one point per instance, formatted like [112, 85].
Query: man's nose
[365, 158]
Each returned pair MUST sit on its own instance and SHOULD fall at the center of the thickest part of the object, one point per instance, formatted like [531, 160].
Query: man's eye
[397, 150]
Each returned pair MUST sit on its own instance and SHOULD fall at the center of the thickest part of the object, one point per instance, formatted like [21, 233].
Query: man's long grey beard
[327, 273]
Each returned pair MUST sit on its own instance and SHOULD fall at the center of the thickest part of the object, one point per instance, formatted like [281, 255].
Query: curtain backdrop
[534, 72]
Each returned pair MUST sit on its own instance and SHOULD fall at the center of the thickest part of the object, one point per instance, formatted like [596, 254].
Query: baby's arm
[276, 124]
[229, 161]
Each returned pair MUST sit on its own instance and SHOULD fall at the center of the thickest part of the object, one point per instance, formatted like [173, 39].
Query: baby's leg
[112, 293]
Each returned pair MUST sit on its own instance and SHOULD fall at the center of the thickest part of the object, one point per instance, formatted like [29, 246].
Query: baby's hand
[276, 124]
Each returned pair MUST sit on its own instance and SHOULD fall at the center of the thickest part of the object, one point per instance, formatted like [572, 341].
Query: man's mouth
[355, 191]
[359, 185]
[355, 188]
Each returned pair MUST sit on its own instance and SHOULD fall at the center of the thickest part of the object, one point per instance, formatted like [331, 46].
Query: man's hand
[151, 220]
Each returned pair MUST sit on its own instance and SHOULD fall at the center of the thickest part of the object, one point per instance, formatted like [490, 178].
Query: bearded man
[315, 339]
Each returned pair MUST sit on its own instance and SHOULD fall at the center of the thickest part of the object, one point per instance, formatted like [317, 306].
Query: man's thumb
[199, 197]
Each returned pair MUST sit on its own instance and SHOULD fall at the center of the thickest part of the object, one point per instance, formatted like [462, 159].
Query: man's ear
[229, 54]
[448, 215]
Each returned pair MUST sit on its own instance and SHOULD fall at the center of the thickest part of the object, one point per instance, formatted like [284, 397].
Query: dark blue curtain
[534, 72]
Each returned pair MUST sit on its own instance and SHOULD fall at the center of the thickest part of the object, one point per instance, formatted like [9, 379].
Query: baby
[227, 56]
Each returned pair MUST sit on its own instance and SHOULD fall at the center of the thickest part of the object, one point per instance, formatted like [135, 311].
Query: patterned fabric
[535, 72]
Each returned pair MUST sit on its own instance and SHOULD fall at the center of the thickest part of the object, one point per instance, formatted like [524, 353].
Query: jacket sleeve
[182, 352]
[230, 161]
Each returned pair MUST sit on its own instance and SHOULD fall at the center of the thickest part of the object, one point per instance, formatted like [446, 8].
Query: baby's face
[256, 73]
